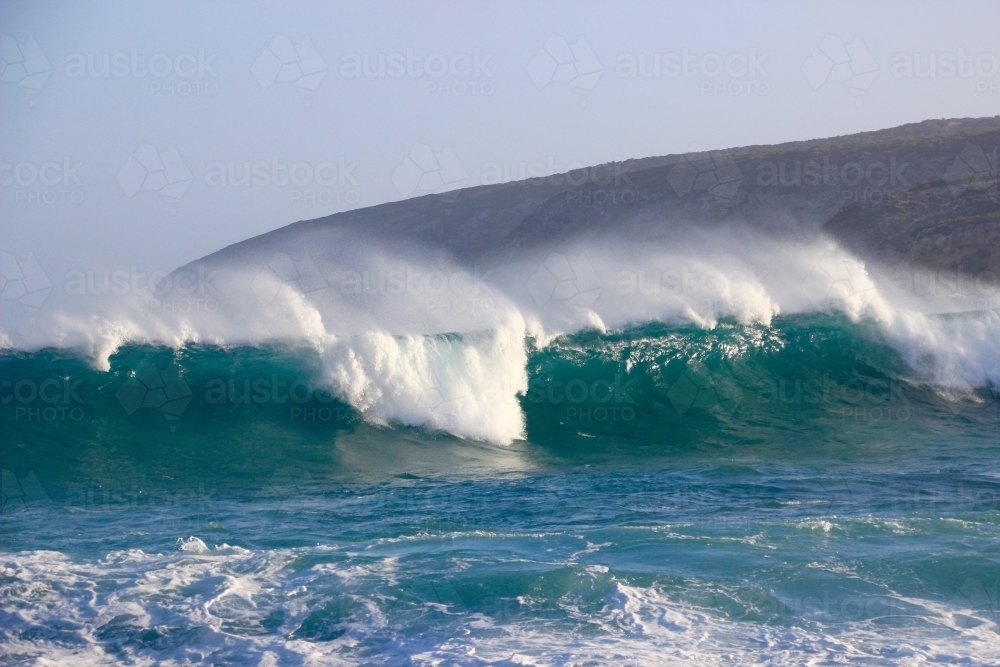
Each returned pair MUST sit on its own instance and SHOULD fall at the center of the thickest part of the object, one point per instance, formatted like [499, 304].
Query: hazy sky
[128, 127]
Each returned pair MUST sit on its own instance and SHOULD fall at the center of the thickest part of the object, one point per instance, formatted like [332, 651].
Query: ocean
[806, 489]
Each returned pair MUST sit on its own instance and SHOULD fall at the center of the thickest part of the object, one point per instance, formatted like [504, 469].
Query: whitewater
[413, 337]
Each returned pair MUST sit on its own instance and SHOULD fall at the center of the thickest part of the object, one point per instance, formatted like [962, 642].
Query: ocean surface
[721, 449]
[800, 489]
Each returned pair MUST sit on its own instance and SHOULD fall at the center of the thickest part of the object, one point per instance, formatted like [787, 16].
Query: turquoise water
[783, 494]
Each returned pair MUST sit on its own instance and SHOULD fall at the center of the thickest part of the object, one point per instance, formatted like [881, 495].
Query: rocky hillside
[922, 194]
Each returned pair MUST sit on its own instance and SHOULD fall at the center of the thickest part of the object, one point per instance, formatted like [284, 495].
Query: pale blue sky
[549, 89]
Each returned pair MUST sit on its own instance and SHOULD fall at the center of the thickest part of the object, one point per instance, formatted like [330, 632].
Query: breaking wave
[411, 337]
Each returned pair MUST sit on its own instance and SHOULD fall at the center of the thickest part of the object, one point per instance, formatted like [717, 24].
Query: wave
[201, 417]
[403, 335]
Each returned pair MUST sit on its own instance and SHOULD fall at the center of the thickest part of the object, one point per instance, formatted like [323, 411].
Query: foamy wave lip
[960, 351]
[421, 340]
[465, 385]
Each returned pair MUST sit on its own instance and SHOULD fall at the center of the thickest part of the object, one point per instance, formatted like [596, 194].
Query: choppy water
[779, 494]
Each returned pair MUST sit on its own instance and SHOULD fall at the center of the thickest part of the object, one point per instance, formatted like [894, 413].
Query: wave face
[206, 410]
[364, 453]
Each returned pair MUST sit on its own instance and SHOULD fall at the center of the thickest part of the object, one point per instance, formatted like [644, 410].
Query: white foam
[467, 386]
[377, 317]
[193, 606]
